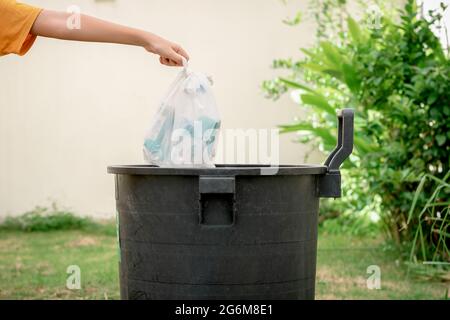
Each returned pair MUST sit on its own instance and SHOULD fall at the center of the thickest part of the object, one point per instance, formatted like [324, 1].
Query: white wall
[67, 110]
[445, 22]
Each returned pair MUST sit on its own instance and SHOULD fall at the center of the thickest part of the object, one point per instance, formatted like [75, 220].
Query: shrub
[396, 76]
[46, 219]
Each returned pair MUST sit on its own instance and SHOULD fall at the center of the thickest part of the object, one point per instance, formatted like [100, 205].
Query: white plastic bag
[185, 129]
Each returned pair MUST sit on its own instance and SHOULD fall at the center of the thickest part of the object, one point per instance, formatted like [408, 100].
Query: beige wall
[67, 110]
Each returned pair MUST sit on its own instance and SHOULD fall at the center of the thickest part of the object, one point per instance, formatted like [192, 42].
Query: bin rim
[220, 170]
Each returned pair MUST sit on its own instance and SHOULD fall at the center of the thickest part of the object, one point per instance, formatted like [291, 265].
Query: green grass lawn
[33, 266]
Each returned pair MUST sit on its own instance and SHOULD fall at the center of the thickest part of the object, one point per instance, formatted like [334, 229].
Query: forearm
[53, 24]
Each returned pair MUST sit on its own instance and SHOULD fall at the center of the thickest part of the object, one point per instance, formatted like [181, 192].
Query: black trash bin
[230, 232]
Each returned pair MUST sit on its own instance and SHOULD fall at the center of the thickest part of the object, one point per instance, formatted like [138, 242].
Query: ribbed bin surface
[224, 233]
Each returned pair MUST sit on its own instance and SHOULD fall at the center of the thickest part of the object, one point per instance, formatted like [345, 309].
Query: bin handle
[222, 191]
[329, 185]
[344, 145]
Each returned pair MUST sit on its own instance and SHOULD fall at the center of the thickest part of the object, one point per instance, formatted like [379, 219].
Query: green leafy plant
[44, 219]
[433, 222]
[431, 240]
[396, 76]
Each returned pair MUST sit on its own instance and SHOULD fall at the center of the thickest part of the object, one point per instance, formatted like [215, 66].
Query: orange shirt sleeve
[16, 21]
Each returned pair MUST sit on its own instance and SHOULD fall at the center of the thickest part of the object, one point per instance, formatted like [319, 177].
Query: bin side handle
[344, 145]
[329, 185]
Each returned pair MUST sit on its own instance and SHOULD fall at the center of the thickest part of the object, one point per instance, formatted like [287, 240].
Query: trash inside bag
[185, 129]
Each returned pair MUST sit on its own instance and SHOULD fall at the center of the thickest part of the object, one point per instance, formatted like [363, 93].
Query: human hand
[170, 54]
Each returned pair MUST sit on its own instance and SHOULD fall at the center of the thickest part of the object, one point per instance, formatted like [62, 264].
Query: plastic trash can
[230, 232]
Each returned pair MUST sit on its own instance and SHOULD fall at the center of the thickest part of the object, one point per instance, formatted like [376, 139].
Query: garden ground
[33, 266]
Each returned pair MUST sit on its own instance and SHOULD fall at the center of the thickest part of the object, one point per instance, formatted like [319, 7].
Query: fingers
[173, 58]
[172, 55]
[176, 54]
[176, 58]
[168, 62]
[178, 49]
